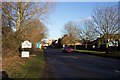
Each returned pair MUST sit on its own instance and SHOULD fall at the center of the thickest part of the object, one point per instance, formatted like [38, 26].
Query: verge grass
[17, 67]
[99, 53]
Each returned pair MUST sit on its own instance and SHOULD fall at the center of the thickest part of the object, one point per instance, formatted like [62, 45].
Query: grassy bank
[98, 53]
[17, 67]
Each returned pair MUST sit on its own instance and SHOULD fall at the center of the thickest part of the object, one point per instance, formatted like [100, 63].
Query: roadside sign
[38, 45]
[26, 44]
[25, 54]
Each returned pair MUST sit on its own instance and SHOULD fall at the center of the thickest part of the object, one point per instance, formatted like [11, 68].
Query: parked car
[68, 49]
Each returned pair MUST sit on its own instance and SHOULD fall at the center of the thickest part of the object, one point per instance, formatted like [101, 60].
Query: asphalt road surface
[79, 65]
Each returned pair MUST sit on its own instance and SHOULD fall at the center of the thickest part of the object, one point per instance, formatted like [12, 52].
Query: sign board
[26, 44]
[25, 54]
[63, 46]
[38, 45]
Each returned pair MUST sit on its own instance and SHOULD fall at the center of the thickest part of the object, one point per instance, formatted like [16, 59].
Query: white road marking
[76, 57]
[117, 71]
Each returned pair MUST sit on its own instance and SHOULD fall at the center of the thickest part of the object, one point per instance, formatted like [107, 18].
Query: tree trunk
[17, 21]
[107, 48]
[74, 46]
[86, 45]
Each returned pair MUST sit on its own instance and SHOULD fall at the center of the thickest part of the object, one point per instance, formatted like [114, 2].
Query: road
[78, 65]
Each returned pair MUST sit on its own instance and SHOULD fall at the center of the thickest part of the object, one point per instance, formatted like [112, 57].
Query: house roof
[111, 36]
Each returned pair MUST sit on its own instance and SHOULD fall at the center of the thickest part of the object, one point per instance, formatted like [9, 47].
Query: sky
[70, 11]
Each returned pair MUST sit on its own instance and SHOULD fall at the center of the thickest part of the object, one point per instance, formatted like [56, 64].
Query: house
[77, 42]
[111, 39]
[68, 40]
[49, 42]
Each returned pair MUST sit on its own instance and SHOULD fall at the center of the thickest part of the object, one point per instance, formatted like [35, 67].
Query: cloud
[90, 18]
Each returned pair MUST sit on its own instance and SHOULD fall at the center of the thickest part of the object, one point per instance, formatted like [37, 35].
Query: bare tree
[66, 40]
[27, 11]
[86, 31]
[19, 12]
[105, 20]
[16, 14]
[34, 31]
[72, 31]
[7, 15]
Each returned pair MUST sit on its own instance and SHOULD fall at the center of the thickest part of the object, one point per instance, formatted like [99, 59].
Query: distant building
[67, 40]
[111, 39]
[78, 42]
[49, 42]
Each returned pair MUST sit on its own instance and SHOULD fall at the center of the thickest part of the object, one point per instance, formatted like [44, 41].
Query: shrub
[10, 44]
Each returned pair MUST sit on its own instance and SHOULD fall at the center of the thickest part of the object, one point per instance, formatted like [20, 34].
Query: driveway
[79, 65]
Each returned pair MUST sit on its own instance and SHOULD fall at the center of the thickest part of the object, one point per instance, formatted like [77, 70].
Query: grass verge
[31, 67]
[34, 67]
[98, 53]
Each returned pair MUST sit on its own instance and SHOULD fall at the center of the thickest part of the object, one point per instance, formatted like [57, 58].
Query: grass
[34, 67]
[89, 51]
[17, 67]
[98, 53]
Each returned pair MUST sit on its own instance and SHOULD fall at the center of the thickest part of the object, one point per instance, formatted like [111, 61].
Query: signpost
[25, 53]
[38, 45]
[26, 44]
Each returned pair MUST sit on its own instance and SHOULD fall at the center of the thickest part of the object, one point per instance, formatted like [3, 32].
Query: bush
[100, 48]
[10, 44]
